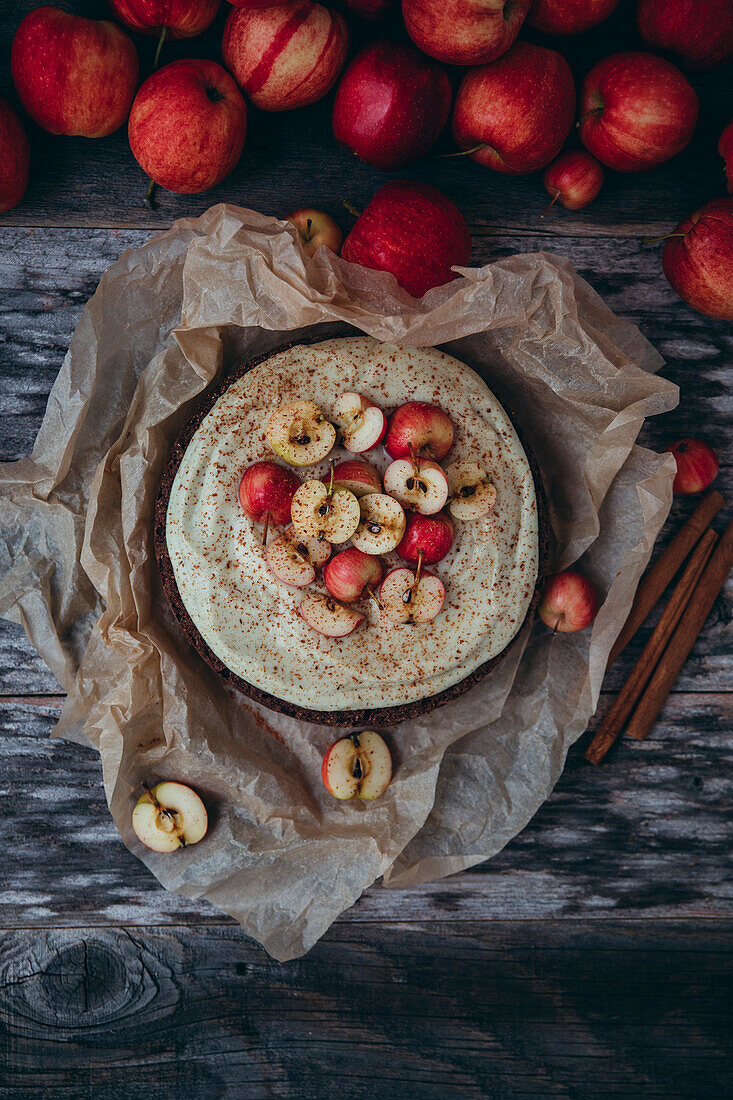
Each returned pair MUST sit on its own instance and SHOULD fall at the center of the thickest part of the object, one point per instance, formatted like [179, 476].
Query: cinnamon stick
[656, 579]
[684, 637]
[641, 673]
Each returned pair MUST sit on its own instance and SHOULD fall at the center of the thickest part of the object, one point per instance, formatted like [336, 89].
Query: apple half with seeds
[472, 495]
[362, 423]
[169, 816]
[381, 524]
[328, 617]
[406, 597]
[294, 561]
[417, 483]
[320, 511]
[300, 434]
[359, 766]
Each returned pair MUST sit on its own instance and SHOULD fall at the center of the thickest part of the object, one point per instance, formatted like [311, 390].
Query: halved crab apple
[359, 766]
[294, 560]
[358, 476]
[472, 495]
[328, 617]
[417, 483]
[408, 597]
[169, 816]
[299, 432]
[381, 524]
[362, 423]
[323, 512]
[350, 573]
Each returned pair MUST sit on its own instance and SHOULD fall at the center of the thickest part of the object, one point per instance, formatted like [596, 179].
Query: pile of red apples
[512, 109]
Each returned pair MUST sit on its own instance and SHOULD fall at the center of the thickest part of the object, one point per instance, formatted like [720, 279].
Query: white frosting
[250, 620]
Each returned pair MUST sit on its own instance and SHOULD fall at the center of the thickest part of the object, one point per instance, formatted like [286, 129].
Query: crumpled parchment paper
[78, 571]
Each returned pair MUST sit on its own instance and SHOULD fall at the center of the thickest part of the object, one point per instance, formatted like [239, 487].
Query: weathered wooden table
[592, 956]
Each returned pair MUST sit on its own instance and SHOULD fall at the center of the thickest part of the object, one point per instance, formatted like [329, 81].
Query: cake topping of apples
[408, 597]
[359, 766]
[417, 483]
[169, 816]
[472, 495]
[294, 560]
[426, 537]
[328, 617]
[381, 524]
[300, 434]
[324, 512]
[362, 423]
[420, 427]
[351, 574]
[358, 476]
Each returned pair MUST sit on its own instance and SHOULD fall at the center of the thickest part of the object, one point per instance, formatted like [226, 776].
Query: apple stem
[149, 793]
[555, 628]
[664, 237]
[415, 460]
[267, 525]
[557, 196]
[332, 470]
[161, 40]
[351, 208]
[587, 114]
[463, 152]
[373, 596]
[149, 196]
[418, 570]
[308, 226]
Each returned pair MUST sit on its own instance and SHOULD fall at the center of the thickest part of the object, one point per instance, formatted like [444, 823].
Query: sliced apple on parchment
[169, 816]
[359, 766]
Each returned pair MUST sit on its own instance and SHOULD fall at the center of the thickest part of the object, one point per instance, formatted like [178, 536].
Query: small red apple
[179, 18]
[74, 76]
[391, 105]
[413, 231]
[429, 537]
[568, 16]
[316, 230]
[700, 32]
[569, 602]
[574, 180]
[285, 56]
[267, 489]
[516, 113]
[725, 148]
[187, 126]
[697, 466]
[358, 476]
[636, 111]
[698, 259]
[15, 159]
[350, 572]
[464, 32]
[419, 427]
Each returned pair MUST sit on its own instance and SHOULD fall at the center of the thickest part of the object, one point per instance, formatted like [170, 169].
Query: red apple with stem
[391, 105]
[187, 126]
[573, 180]
[569, 602]
[464, 32]
[515, 114]
[568, 16]
[285, 56]
[699, 32]
[316, 230]
[636, 111]
[351, 573]
[74, 76]
[416, 428]
[697, 466]
[413, 231]
[358, 476]
[426, 538]
[698, 258]
[266, 492]
[166, 18]
[725, 148]
[15, 160]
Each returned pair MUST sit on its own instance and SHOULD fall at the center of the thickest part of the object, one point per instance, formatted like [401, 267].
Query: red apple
[569, 602]
[268, 489]
[15, 160]
[179, 18]
[413, 231]
[258, 3]
[370, 9]
[285, 56]
[429, 536]
[697, 466]
[517, 110]
[187, 126]
[358, 476]
[464, 32]
[74, 76]
[316, 230]
[700, 32]
[568, 16]
[574, 180]
[350, 572]
[636, 111]
[725, 148]
[698, 258]
[391, 104]
[420, 427]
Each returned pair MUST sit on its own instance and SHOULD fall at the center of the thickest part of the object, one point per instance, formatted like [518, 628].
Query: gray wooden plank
[291, 158]
[464, 1011]
[645, 835]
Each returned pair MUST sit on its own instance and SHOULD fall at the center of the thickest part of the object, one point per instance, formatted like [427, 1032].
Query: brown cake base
[379, 716]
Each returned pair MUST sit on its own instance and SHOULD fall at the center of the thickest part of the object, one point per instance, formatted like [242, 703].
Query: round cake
[249, 625]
